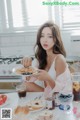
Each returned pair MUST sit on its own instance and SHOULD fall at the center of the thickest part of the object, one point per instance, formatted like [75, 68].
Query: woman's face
[46, 39]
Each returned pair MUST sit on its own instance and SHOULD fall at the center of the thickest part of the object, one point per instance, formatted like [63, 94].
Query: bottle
[50, 103]
[76, 86]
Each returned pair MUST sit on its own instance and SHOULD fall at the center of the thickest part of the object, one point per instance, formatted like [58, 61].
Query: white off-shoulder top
[63, 81]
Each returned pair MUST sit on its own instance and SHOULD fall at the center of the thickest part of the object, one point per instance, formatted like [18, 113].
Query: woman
[50, 59]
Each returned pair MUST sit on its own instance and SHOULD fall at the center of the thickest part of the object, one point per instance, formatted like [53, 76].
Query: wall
[66, 37]
[22, 44]
[17, 44]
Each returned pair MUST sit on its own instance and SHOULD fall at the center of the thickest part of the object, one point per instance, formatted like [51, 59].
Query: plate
[37, 110]
[28, 71]
[36, 105]
[4, 100]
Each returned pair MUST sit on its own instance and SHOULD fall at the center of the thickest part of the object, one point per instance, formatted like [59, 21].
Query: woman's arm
[32, 87]
[60, 65]
[44, 76]
[63, 81]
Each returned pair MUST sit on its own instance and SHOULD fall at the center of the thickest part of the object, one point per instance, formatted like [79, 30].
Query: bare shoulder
[60, 59]
[60, 64]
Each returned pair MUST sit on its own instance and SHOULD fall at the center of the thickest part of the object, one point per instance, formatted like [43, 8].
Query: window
[6, 14]
[22, 15]
[71, 15]
[25, 15]
[36, 16]
[17, 13]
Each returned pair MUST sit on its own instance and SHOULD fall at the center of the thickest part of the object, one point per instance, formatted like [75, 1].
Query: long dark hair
[58, 47]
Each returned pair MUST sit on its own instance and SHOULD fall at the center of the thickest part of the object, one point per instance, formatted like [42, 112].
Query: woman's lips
[45, 45]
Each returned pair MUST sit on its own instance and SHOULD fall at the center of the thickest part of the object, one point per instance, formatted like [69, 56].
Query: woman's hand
[28, 78]
[43, 75]
[31, 79]
[26, 62]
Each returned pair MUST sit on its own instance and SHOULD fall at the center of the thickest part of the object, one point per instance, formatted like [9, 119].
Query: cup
[65, 101]
[50, 102]
[76, 86]
[21, 90]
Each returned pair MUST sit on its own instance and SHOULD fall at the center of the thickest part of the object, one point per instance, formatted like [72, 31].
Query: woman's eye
[50, 36]
[47, 36]
[42, 35]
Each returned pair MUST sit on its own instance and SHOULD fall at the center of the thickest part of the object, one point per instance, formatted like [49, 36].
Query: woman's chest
[51, 71]
[49, 65]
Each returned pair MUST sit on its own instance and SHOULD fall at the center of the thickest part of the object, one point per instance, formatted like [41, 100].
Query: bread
[35, 105]
[21, 109]
[29, 70]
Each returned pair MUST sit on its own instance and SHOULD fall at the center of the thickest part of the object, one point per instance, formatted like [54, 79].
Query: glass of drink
[76, 86]
[21, 90]
[49, 97]
[50, 102]
[65, 101]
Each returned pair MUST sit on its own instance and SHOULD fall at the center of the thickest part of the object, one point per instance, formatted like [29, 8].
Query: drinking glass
[21, 90]
[50, 102]
[76, 86]
[65, 102]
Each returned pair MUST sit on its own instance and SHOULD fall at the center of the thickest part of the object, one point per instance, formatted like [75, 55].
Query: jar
[50, 103]
[76, 86]
[65, 102]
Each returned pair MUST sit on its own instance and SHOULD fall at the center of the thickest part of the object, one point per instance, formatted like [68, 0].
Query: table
[57, 113]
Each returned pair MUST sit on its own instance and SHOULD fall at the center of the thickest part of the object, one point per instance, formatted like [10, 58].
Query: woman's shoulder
[60, 64]
[60, 61]
[60, 58]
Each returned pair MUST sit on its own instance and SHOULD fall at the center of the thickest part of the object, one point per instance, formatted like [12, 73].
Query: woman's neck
[49, 53]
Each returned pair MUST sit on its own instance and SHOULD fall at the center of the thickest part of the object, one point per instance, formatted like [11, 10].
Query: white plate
[14, 70]
[6, 103]
[42, 103]
[38, 110]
